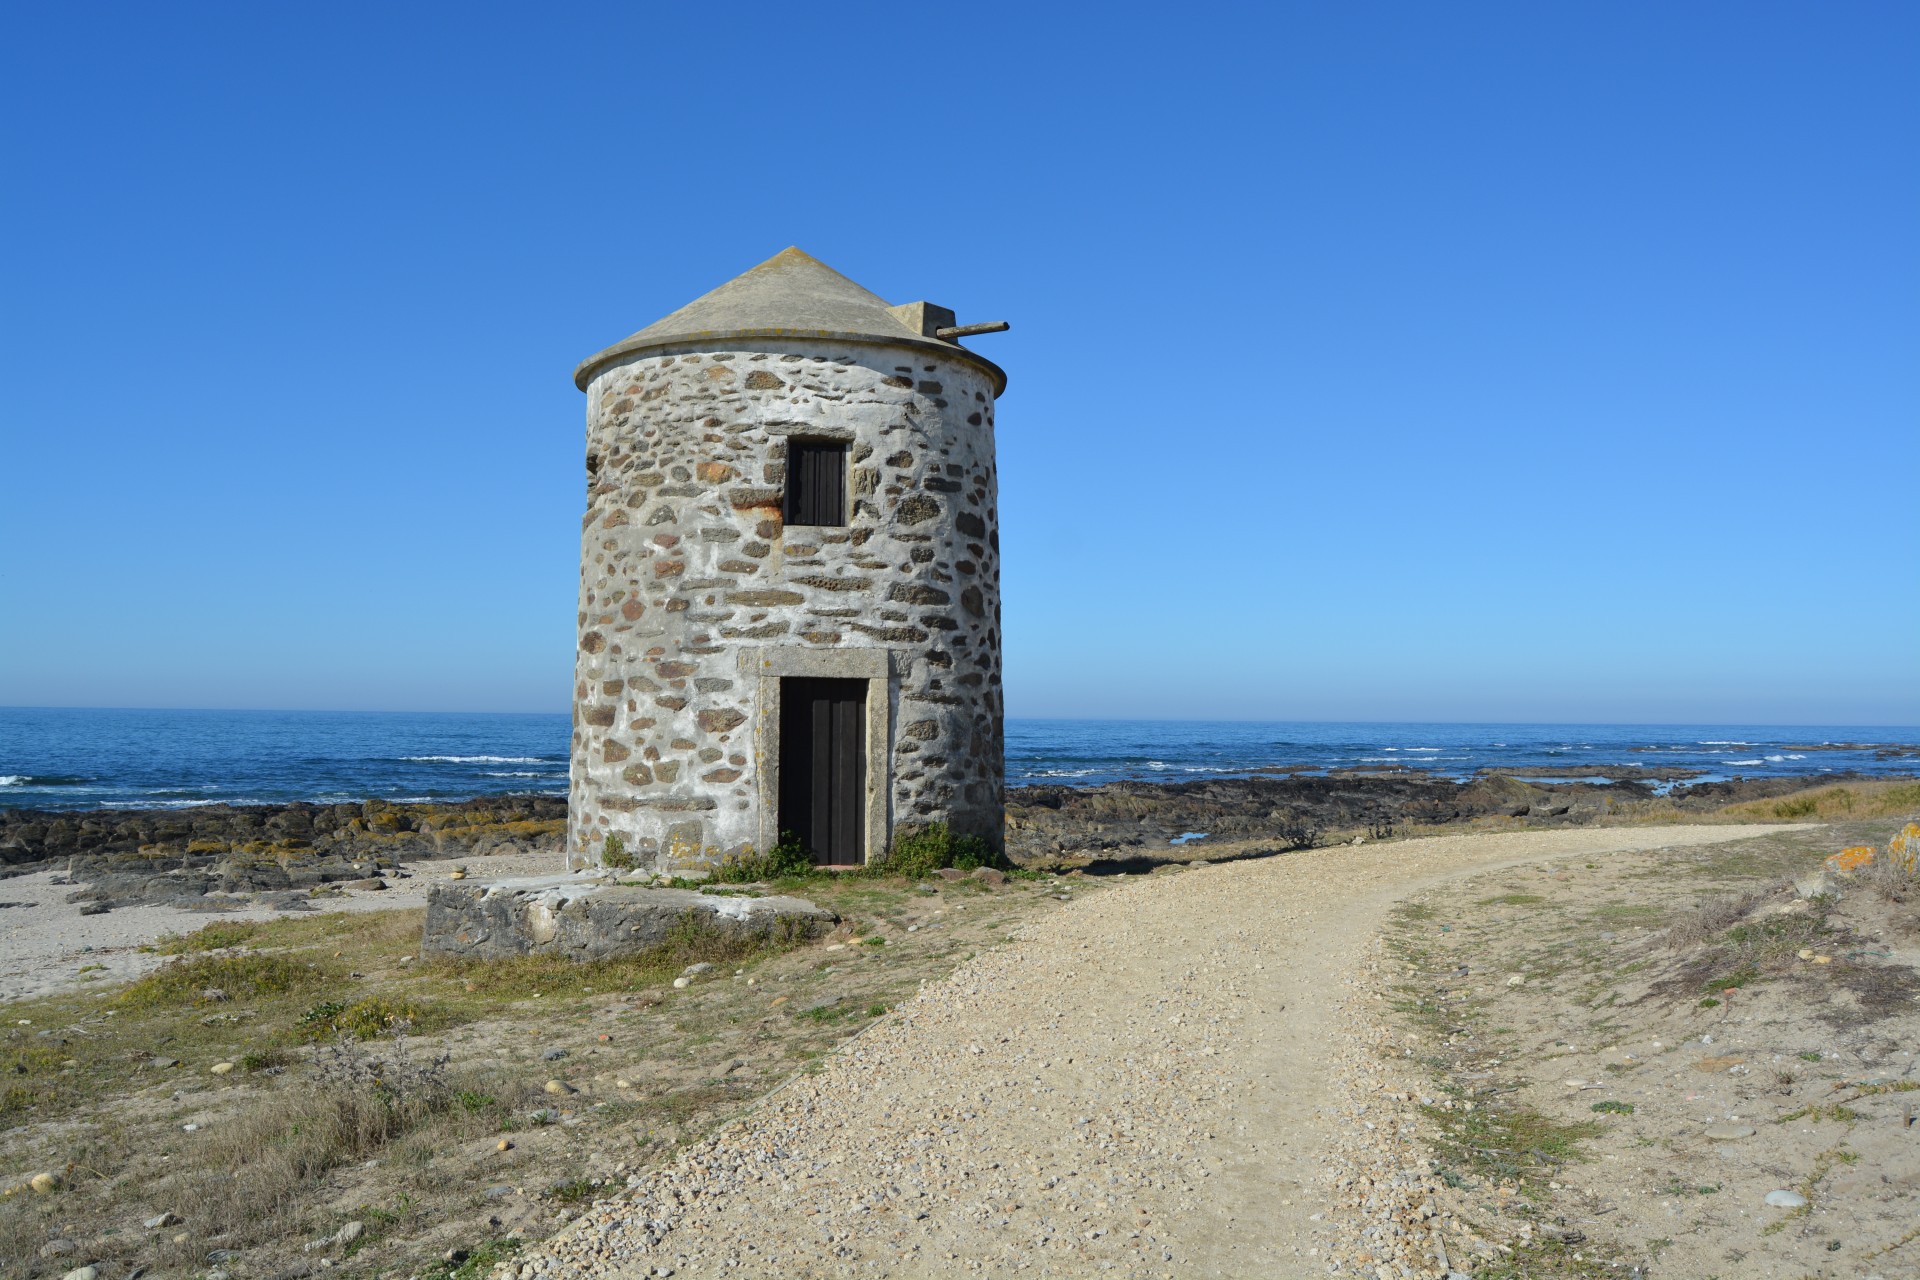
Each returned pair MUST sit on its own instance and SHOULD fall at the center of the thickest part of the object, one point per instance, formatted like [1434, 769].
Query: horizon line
[1118, 719]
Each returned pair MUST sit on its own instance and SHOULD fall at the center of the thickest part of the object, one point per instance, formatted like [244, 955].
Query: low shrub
[214, 937]
[788, 860]
[1300, 829]
[365, 1019]
[209, 979]
[614, 854]
[924, 850]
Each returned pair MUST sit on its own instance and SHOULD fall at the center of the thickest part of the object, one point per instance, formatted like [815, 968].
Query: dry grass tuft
[253, 1177]
[1717, 915]
[1851, 801]
[1891, 879]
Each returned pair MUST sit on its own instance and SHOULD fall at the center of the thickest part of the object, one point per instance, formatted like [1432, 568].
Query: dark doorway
[823, 767]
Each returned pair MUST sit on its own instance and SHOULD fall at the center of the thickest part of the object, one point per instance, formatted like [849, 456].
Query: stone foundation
[592, 919]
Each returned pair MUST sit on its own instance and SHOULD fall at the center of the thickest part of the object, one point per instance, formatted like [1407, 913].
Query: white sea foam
[477, 759]
[13, 780]
[516, 773]
[1755, 761]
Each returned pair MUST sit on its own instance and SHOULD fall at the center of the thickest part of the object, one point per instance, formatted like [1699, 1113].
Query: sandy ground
[1169, 1078]
[46, 945]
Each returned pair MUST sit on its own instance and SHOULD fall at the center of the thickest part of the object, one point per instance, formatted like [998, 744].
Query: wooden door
[823, 767]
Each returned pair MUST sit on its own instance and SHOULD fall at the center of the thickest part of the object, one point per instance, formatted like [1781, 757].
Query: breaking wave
[477, 759]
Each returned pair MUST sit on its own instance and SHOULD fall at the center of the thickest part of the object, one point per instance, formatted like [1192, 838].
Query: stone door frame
[767, 666]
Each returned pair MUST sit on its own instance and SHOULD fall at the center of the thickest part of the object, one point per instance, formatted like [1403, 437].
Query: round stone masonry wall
[692, 591]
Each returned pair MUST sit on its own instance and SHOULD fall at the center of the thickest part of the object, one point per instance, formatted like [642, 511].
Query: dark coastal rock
[244, 840]
[126, 857]
[1129, 819]
[592, 920]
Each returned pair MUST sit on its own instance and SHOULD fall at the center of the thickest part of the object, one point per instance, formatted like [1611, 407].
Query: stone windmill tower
[789, 578]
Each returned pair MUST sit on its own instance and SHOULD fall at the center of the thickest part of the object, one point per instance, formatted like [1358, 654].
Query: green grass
[214, 937]
[1628, 913]
[247, 977]
[1744, 976]
[478, 1264]
[1513, 900]
[1613, 1108]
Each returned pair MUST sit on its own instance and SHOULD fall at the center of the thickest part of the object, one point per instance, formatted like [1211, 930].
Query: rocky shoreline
[1136, 819]
[127, 856]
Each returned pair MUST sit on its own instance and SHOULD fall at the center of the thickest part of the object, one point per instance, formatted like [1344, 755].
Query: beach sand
[46, 945]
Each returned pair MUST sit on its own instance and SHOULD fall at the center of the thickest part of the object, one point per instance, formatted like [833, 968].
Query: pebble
[221, 1068]
[503, 1145]
[553, 1055]
[350, 1232]
[681, 983]
[1729, 1132]
[160, 1220]
[82, 1273]
[44, 1183]
[1786, 1199]
[559, 1086]
[58, 1248]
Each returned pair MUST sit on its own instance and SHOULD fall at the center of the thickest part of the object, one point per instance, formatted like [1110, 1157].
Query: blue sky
[1483, 362]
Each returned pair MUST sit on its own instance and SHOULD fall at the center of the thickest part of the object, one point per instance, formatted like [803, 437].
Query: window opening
[816, 482]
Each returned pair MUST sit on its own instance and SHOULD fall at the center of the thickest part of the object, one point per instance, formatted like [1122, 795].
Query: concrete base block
[586, 919]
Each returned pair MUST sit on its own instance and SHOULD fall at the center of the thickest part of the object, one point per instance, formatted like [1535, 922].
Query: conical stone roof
[790, 295]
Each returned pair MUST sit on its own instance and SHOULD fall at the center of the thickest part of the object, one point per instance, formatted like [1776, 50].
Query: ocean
[64, 758]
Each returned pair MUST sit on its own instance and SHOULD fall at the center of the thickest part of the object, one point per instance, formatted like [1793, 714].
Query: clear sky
[1369, 361]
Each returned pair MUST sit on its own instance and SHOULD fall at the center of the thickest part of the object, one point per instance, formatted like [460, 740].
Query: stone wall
[694, 597]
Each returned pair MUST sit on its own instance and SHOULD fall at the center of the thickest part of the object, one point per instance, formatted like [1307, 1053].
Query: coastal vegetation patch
[341, 1099]
[1620, 1074]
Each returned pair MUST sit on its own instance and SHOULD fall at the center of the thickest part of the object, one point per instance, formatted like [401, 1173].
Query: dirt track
[1166, 1078]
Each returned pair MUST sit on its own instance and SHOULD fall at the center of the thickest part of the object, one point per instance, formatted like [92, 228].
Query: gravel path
[1176, 1076]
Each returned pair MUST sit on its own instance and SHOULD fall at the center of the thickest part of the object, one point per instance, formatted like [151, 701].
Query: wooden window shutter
[816, 482]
